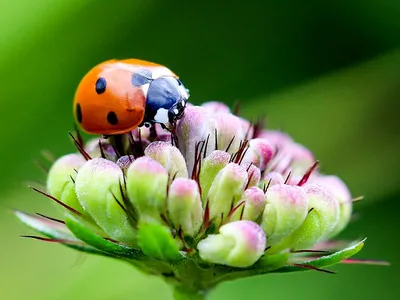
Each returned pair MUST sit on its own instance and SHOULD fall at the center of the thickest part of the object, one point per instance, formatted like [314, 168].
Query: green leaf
[85, 234]
[55, 231]
[156, 241]
[325, 261]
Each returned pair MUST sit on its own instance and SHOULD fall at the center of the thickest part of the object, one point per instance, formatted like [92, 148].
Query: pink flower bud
[184, 206]
[146, 185]
[216, 107]
[195, 126]
[253, 173]
[254, 203]
[169, 157]
[238, 244]
[260, 153]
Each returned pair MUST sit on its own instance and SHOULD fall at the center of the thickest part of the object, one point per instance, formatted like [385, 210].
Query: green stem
[180, 293]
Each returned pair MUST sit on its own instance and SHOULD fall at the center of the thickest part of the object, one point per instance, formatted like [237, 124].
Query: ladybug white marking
[161, 116]
[145, 88]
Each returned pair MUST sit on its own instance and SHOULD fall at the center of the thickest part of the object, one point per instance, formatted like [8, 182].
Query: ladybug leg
[153, 132]
[172, 131]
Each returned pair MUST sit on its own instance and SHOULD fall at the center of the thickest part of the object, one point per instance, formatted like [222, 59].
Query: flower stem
[180, 293]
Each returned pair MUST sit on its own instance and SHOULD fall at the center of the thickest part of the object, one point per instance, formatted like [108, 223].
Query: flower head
[214, 199]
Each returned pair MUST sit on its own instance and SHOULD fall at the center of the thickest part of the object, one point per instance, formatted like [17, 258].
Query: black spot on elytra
[101, 85]
[112, 118]
[78, 113]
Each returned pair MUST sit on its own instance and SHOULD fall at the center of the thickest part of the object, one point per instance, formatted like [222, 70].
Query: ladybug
[117, 96]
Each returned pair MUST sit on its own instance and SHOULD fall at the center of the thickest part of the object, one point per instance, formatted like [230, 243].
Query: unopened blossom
[215, 199]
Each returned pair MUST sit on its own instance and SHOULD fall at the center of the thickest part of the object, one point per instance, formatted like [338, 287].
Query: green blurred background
[327, 72]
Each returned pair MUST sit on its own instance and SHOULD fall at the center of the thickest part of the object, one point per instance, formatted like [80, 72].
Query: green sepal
[156, 241]
[83, 233]
[324, 261]
[55, 231]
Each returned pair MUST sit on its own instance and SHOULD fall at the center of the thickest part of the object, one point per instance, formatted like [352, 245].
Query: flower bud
[146, 186]
[273, 178]
[210, 167]
[184, 206]
[230, 131]
[98, 185]
[216, 107]
[254, 204]
[238, 244]
[60, 180]
[260, 153]
[276, 137]
[321, 220]
[195, 126]
[253, 173]
[341, 194]
[97, 147]
[294, 157]
[285, 210]
[226, 190]
[124, 162]
[169, 157]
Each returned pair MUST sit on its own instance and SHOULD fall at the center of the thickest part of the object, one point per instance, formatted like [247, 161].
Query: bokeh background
[327, 72]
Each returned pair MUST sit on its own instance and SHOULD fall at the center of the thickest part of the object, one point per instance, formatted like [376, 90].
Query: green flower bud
[285, 210]
[254, 204]
[321, 220]
[210, 167]
[146, 186]
[238, 244]
[184, 206]
[60, 181]
[169, 157]
[342, 195]
[226, 190]
[98, 187]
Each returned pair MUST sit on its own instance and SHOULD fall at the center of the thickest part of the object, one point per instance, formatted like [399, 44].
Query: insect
[117, 96]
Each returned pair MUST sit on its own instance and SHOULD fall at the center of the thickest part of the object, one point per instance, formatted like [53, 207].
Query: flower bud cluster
[218, 191]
